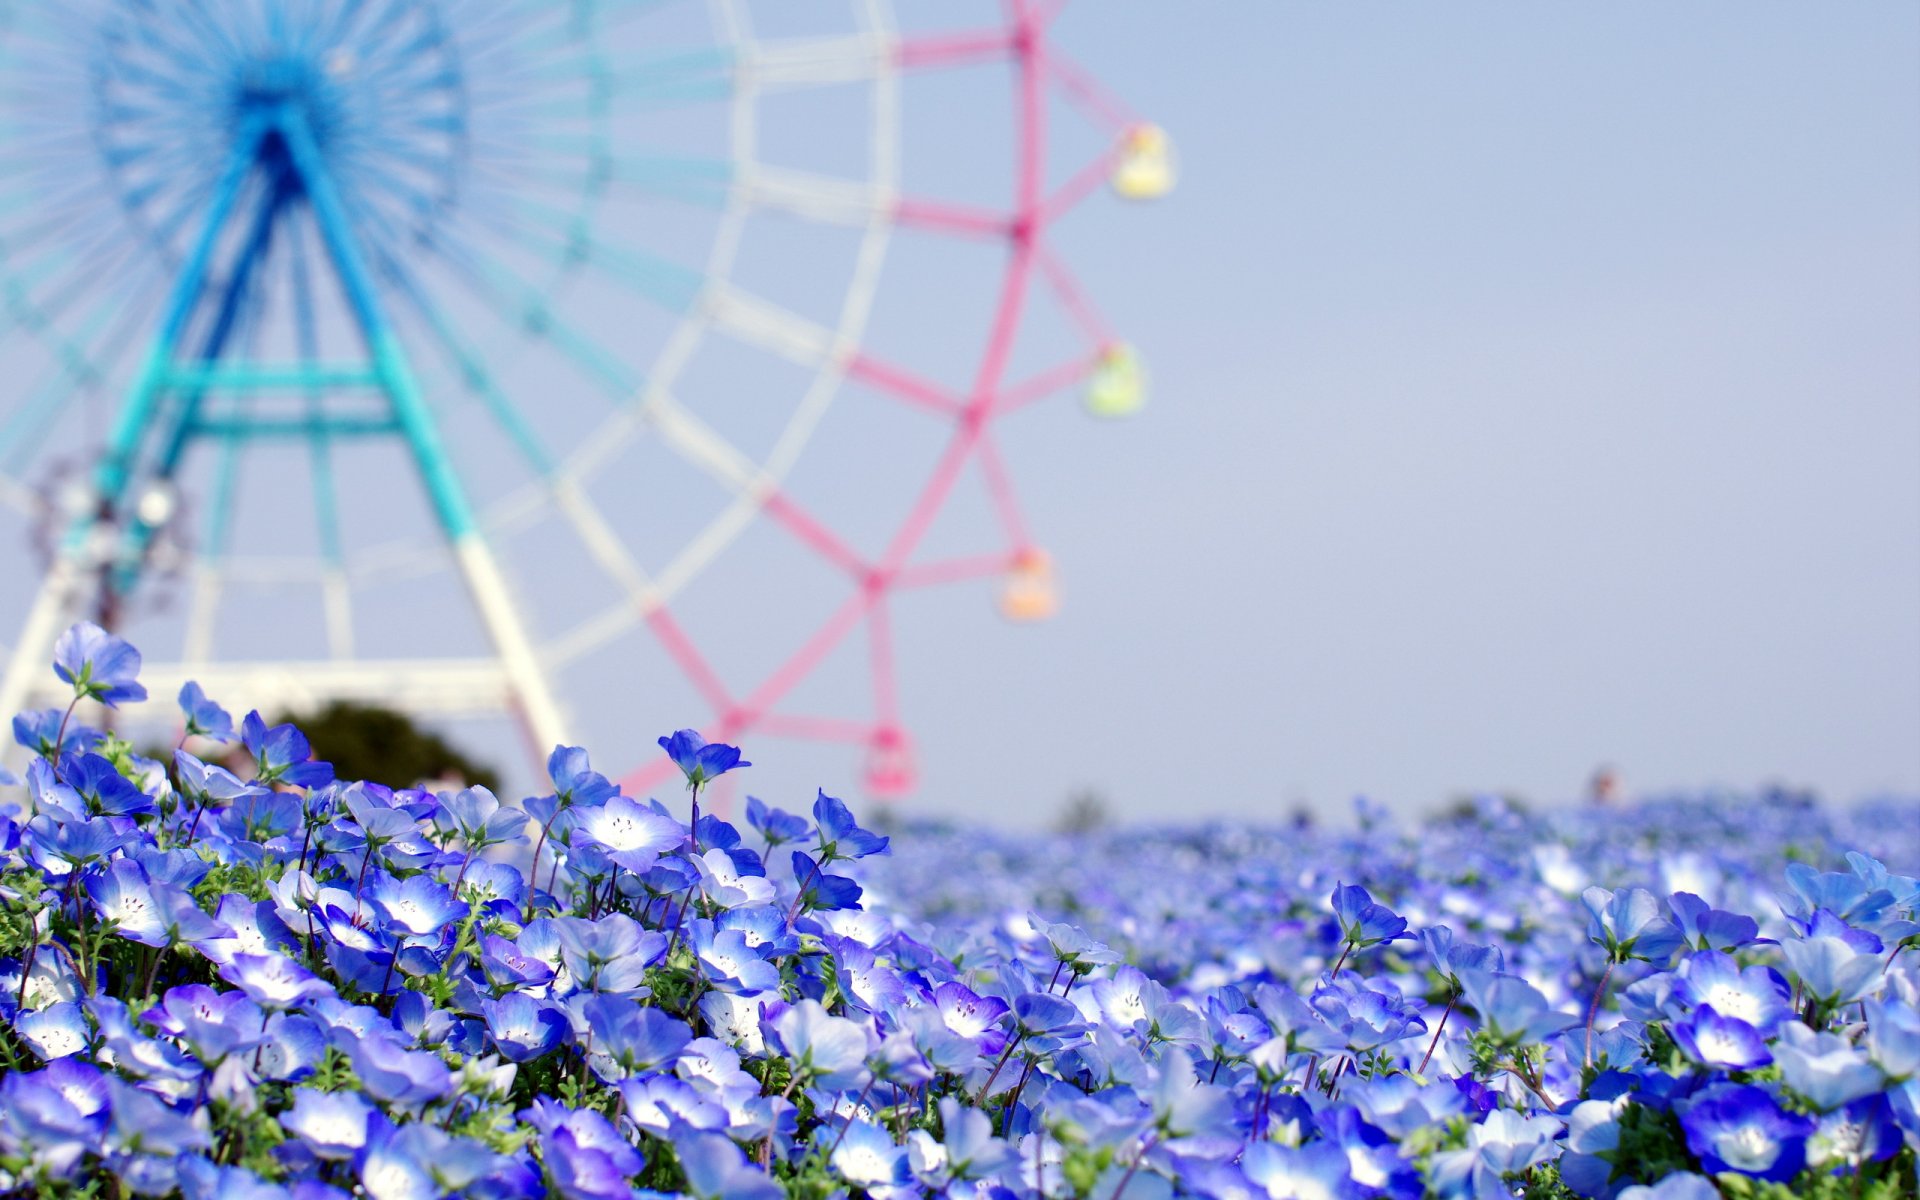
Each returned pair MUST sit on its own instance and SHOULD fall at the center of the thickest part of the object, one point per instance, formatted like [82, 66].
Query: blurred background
[1533, 390]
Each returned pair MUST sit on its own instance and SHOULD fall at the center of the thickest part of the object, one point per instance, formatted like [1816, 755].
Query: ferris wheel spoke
[986, 455]
[764, 324]
[815, 197]
[568, 238]
[469, 366]
[954, 49]
[523, 308]
[899, 384]
[815, 61]
[1093, 100]
[1042, 384]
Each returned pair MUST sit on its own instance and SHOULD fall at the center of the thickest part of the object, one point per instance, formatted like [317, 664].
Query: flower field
[266, 982]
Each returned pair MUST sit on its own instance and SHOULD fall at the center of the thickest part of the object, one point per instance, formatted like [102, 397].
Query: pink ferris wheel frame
[1038, 67]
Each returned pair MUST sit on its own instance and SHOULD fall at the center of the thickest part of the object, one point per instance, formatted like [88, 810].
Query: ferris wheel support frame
[277, 142]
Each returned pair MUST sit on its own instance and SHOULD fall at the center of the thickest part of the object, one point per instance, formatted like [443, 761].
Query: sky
[1533, 388]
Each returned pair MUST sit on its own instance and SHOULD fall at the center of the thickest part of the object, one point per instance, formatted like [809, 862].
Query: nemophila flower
[626, 1038]
[273, 980]
[1366, 1017]
[966, 1013]
[1842, 893]
[1317, 1171]
[524, 1028]
[1504, 1144]
[839, 834]
[1755, 994]
[723, 884]
[611, 954]
[660, 1104]
[1725, 1043]
[1629, 925]
[576, 1170]
[101, 788]
[867, 1157]
[203, 717]
[1363, 922]
[727, 962]
[1825, 1068]
[821, 891]
[1511, 1010]
[1707, 928]
[98, 665]
[829, 1050]
[633, 834]
[416, 906]
[716, 1169]
[1684, 1186]
[1450, 957]
[1893, 1036]
[60, 847]
[390, 1072]
[55, 1031]
[776, 825]
[700, 760]
[215, 1024]
[153, 914]
[282, 754]
[1851, 1136]
[1830, 970]
[476, 817]
[37, 731]
[965, 1150]
[333, 1125]
[1739, 1127]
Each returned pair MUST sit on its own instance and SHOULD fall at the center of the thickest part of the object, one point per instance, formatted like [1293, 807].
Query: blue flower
[868, 1158]
[55, 1031]
[1311, 1172]
[98, 665]
[389, 1072]
[633, 834]
[700, 760]
[37, 730]
[1629, 925]
[204, 718]
[1707, 928]
[1824, 1067]
[1756, 994]
[819, 891]
[332, 1124]
[1512, 1010]
[840, 835]
[273, 980]
[716, 1169]
[776, 825]
[282, 754]
[102, 788]
[418, 905]
[576, 1170]
[1861, 1132]
[1725, 1043]
[728, 963]
[1832, 971]
[476, 815]
[524, 1028]
[1363, 922]
[1739, 1127]
[627, 1038]
[830, 1050]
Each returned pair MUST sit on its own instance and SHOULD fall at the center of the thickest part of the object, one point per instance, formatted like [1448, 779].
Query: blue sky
[1536, 387]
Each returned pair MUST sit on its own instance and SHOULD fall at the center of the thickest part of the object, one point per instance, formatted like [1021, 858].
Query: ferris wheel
[365, 305]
